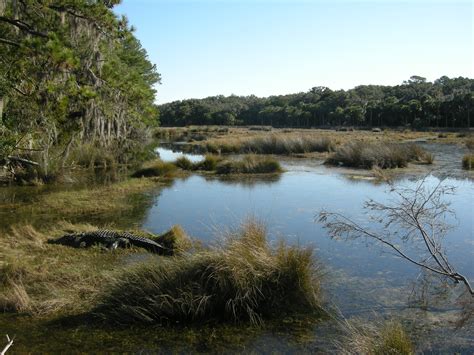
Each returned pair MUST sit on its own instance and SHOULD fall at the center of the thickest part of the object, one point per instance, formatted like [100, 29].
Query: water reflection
[169, 155]
[288, 205]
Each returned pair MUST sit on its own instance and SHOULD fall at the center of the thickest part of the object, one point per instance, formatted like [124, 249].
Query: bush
[244, 279]
[384, 156]
[155, 168]
[250, 164]
[468, 161]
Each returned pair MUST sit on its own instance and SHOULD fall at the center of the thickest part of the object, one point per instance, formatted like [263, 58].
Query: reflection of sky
[169, 155]
[288, 207]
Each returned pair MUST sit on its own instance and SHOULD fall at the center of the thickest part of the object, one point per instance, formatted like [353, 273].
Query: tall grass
[377, 338]
[384, 156]
[272, 144]
[38, 278]
[243, 279]
[250, 164]
[468, 162]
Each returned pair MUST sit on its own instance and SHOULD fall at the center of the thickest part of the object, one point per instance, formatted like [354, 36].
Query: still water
[360, 279]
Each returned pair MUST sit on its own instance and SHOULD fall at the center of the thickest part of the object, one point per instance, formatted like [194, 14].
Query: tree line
[71, 71]
[416, 103]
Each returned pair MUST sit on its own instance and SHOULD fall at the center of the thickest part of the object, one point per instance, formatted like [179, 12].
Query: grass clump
[243, 279]
[378, 338]
[282, 144]
[175, 241]
[250, 164]
[209, 163]
[155, 168]
[468, 162]
[384, 156]
[470, 142]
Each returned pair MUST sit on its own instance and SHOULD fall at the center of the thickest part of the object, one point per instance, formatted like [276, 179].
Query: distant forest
[416, 103]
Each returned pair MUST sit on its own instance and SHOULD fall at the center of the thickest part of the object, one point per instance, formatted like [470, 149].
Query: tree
[412, 226]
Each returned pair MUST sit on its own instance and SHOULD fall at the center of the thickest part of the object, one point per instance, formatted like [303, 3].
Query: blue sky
[264, 47]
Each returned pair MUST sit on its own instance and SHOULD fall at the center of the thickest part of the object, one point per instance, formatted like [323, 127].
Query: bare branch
[415, 217]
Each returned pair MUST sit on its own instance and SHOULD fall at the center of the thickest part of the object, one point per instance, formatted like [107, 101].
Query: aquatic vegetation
[271, 144]
[468, 161]
[209, 163]
[250, 164]
[385, 156]
[155, 168]
[242, 279]
[376, 338]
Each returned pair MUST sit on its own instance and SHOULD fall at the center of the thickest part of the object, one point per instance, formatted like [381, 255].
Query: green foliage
[72, 72]
[245, 279]
[417, 103]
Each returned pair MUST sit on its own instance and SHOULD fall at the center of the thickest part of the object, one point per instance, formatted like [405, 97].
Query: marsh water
[360, 279]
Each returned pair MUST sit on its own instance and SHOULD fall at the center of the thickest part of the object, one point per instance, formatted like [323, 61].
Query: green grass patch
[243, 279]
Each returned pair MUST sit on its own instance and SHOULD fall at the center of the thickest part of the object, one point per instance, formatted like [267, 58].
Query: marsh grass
[41, 279]
[242, 279]
[469, 141]
[282, 144]
[385, 156]
[468, 162]
[155, 168]
[250, 164]
[375, 338]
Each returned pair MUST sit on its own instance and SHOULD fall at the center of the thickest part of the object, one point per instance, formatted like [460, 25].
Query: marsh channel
[360, 280]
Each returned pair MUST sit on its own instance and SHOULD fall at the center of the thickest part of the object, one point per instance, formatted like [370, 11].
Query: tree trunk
[1, 107]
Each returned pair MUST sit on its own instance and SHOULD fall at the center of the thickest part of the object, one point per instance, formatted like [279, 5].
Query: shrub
[384, 156]
[155, 168]
[468, 161]
[244, 279]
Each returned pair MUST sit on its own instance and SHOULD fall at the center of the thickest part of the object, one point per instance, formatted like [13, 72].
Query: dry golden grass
[242, 279]
[375, 338]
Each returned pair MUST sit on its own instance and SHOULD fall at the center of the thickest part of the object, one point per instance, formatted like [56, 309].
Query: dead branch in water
[9, 344]
[413, 226]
